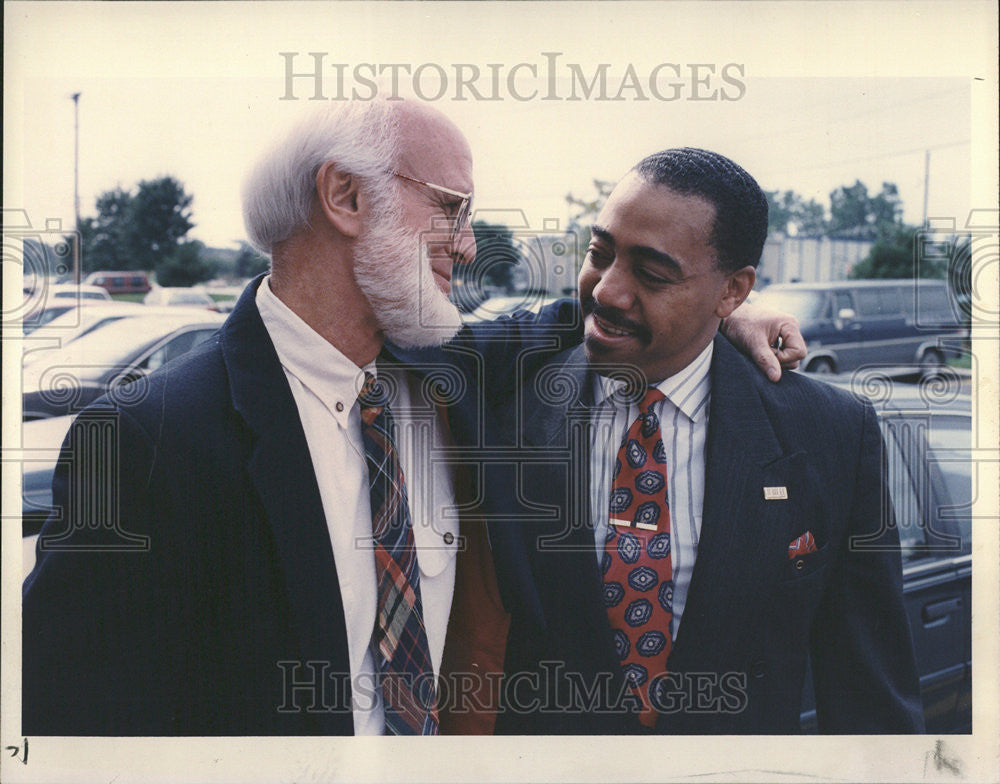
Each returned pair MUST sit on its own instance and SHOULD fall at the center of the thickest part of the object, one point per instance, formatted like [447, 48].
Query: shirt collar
[687, 389]
[314, 361]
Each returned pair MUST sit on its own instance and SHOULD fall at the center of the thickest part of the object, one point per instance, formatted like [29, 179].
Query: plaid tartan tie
[638, 573]
[399, 640]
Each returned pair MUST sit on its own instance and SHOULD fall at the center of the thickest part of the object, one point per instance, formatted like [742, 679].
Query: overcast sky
[194, 91]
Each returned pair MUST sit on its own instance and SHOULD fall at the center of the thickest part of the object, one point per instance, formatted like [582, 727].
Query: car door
[929, 481]
[930, 496]
[884, 336]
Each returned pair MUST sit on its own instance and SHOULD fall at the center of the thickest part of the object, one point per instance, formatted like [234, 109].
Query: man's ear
[738, 286]
[338, 197]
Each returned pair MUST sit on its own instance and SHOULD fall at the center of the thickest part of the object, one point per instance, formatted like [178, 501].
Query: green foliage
[790, 214]
[856, 215]
[136, 231]
[249, 263]
[185, 266]
[493, 267]
[894, 256]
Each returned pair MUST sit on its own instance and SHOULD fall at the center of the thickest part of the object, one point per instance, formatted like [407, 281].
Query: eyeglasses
[462, 214]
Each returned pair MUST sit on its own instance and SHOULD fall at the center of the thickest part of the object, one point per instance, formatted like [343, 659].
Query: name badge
[775, 493]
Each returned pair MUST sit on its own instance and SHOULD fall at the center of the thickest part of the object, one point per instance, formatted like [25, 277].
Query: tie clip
[775, 493]
[629, 524]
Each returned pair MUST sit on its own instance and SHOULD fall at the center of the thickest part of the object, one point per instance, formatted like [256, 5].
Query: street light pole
[76, 186]
[927, 179]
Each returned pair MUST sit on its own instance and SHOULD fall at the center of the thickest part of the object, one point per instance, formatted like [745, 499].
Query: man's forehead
[433, 148]
[639, 202]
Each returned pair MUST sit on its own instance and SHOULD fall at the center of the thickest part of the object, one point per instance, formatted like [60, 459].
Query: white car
[69, 378]
[179, 295]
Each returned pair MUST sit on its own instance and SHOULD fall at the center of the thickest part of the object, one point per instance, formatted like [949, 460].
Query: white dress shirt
[683, 418]
[325, 386]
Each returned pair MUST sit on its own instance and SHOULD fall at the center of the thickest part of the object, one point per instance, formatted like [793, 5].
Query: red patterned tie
[399, 640]
[638, 575]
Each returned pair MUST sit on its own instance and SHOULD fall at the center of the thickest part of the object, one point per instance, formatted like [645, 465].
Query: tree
[856, 215]
[104, 237]
[895, 255]
[249, 263]
[140, 230]
[493, 267]
[790, 214]
[161, 216]
[185, 266]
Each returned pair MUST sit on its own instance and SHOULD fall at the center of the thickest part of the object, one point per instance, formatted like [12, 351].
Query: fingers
[767, 360]
[791, 346]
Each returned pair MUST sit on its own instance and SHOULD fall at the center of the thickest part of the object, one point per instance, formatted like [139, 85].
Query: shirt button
[799, 564]
[339, 406]
[449, 537]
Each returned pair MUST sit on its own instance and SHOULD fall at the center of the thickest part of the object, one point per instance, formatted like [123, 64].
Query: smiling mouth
[611, 330]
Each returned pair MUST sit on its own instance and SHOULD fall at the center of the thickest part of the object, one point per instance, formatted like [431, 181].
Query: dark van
[851, 323]
[121, 282]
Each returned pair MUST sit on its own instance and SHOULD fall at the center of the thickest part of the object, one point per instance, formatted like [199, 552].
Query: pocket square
[802, 545]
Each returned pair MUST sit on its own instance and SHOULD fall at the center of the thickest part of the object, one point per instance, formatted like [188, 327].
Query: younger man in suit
[702, 531]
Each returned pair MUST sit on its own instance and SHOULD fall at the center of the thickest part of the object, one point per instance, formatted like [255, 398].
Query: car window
[929, 478]
[950, 445]
[42, 318]
[175, 347]
[843, 301]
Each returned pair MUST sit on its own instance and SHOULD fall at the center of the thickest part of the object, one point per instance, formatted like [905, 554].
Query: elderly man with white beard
[254, 540]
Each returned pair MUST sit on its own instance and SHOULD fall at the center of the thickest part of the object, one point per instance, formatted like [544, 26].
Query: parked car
[172, 296]
[849, 324]
[121, 282]
[930, 482]
[125, 350]
[225, 296]
[77, 322]
[928, 434]
[45, 315]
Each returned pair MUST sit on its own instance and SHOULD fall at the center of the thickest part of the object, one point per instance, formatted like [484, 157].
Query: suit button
[757, 669]
[799, 564]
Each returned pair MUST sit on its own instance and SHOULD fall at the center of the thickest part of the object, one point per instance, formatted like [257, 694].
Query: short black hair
[740, 205]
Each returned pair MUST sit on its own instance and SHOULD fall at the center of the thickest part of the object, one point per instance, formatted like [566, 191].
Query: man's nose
[614, 289]
[464, 245]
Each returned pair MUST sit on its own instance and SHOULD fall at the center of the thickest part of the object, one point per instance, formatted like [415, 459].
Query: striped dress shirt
[684, 424]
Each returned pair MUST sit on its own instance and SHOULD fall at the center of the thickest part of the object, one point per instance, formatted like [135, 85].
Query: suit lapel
[557, 409]
[282, 473]
[740, 530]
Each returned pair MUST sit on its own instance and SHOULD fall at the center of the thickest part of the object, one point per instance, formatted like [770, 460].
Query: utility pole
[927, 176]
[76, 186]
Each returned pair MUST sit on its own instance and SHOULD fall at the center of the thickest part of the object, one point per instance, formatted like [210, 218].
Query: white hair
[361, 137]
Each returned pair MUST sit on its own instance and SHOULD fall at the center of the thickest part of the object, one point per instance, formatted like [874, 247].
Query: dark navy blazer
[186, 583]
[752, 614]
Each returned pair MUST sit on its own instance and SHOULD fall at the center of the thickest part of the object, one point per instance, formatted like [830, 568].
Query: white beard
[391, 272]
